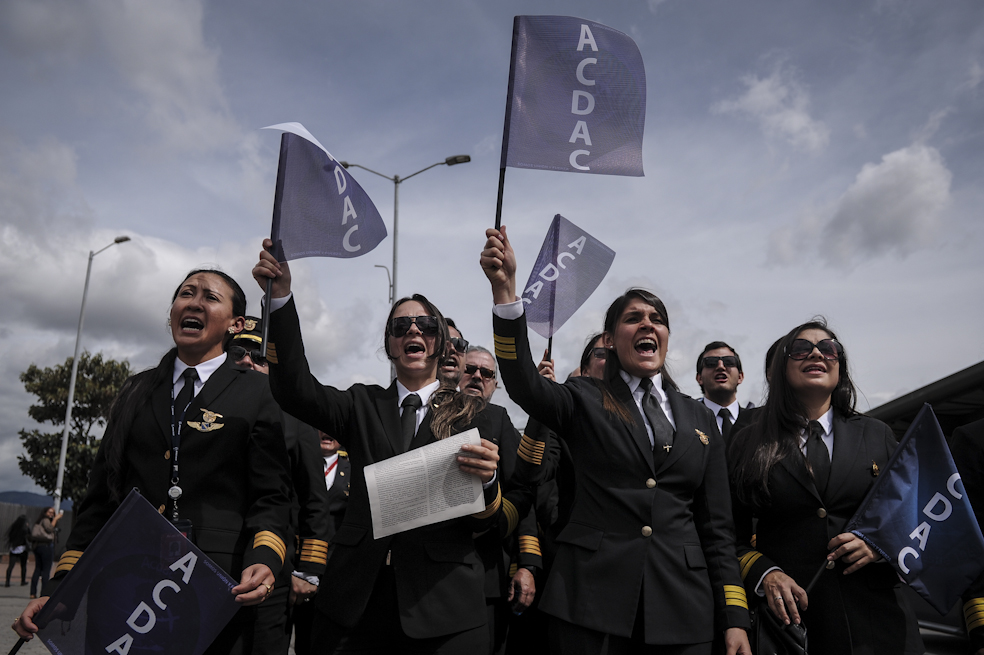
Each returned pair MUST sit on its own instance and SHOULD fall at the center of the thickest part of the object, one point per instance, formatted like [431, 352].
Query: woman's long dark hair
[135, 393]
[452, 410]
[776, 436]
[18, 530]
[613, 365]
[586, 353]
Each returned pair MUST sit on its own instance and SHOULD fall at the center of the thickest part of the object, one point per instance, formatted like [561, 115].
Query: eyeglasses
[238, 352]
[729, 361]
[600, 353]
[800, 349]
[459, 344]
[427, 325]
[487, 373]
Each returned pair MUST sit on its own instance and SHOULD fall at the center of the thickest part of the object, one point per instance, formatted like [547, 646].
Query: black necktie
[725, 422]
[661, 426]
[185, 395]
[408, 419]
[818, 456]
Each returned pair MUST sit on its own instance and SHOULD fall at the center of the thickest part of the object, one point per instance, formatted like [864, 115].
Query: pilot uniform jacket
[660, 537]
[309, 516]
[439, 576]
[233, 471]
[338, 493]
[856, 613]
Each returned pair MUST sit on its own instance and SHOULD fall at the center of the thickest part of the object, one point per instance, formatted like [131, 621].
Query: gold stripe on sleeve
[974, 613]
[530, 545]
[493, 508]
[272, 353]
[505, 347]
[530, 450]
[512, 515]
[746, 562]
[68, 560]
[271, 541]
[314, 550]
[735, 595]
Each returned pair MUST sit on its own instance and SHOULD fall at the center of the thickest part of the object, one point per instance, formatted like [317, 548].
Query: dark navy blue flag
[140, 587]
[319, 210]
[571, 265]
[918, 517]
[576, 99]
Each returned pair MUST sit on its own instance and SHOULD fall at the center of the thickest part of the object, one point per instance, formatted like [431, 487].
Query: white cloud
[895, 205]
[654, 4]
[780, 105]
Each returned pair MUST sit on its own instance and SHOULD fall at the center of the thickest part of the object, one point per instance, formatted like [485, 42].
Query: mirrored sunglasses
[729, 361]
[487, 373]
[238, 352]
[800, 349]
[427, 325]
[459, 344]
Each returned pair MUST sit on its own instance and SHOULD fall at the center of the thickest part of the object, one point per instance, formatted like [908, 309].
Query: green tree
[98, 382]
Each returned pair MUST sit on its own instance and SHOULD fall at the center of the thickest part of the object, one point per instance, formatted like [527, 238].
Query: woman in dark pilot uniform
[419, 591]
[232, 473]
[803, 470]
[646, 563]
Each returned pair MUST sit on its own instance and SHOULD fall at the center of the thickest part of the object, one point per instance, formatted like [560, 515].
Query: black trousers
[379, 630]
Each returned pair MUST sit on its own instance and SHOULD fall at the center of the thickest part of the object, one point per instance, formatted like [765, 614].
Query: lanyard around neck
[174, 492]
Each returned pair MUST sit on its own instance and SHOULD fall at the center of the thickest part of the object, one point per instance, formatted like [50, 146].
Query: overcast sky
[801, 158]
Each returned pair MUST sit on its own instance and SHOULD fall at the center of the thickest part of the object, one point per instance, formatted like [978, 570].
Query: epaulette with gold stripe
[343, 453]
[271, 541]
[529, 544]
[491, 509]
[512, 515]
[746, 561]
[974, 613]
[68, 560]
[314, 551]
[735, 595]
[505, 347]
[531, 450]
[272, 353]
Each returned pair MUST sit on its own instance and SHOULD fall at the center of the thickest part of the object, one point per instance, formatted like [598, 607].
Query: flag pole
[550, 348]
[265, 318]
[275, 238]
[505, 123]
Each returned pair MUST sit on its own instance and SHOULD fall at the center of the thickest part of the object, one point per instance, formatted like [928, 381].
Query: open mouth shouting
[192, 325]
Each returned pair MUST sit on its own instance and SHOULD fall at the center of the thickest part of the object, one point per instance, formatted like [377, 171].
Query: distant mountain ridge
[31, 499]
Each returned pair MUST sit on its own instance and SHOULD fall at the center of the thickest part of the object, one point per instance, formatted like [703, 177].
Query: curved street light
[71, 381]
[396, 180]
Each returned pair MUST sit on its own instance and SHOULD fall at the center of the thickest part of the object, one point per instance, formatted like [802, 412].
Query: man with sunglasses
[453, 364]
[298, 581]
[719, 374]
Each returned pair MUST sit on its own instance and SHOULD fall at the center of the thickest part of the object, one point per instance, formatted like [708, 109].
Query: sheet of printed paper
[422, 487]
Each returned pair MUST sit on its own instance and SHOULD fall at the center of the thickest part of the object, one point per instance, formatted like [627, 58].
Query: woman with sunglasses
[200, 438]
[418, 591]
[802, 470]
[646, 562]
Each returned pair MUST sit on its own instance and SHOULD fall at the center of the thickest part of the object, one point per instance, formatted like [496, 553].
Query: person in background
[17, 540]
[453, 364]
[802, 470]
[43, 537]
[719, 374]
[297, 581]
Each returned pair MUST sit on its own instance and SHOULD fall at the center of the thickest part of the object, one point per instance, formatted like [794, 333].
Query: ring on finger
[778, 599]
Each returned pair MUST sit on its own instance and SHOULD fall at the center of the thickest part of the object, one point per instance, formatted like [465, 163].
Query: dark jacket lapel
[424, 435]
[161, 402]
[389, 416]
[795, 464]
[215, 385]
[637, 431]
[686, 427]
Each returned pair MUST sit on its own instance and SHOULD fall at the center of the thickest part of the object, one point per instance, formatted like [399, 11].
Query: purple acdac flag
[918, 517]
[139, 587]
[571, 265]
[576, 100]
[319, 210]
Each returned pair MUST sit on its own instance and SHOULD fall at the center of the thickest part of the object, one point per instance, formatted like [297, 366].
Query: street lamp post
[396, 180]
[71, 381]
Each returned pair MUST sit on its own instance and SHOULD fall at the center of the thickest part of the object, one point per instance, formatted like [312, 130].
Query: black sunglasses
[487, 373]
[600, 353]
[800, 349]
[729, 361]
[459, 344]
[427, 325]
[238, 352]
